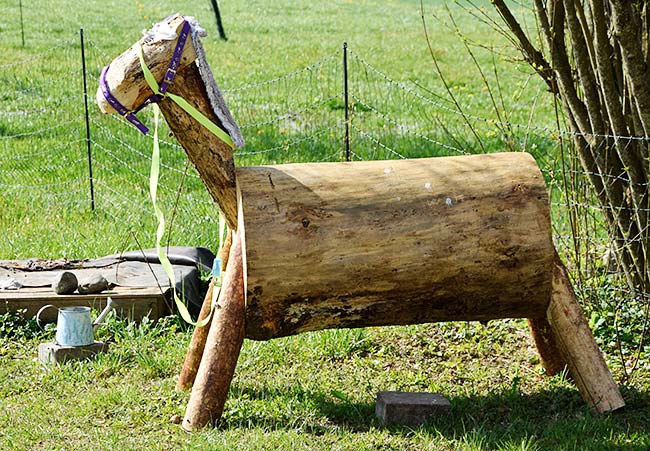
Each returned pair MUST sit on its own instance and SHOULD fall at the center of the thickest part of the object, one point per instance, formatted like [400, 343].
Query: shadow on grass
[549, 419]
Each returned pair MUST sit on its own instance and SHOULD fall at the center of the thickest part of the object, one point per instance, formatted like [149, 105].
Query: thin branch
[486, 83]
[627, 31]
[533, 56]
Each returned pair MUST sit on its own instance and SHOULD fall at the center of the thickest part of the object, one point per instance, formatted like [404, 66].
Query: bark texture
[333, 245]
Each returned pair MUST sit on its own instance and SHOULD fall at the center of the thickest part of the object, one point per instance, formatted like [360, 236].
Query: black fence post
[22, 25]
[345, 101]
[222, 33]
[90, 159]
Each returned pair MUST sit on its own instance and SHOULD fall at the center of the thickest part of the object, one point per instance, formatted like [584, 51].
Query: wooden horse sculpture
[333, 245]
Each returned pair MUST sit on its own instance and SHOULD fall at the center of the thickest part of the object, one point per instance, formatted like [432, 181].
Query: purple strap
[164, 85]
[121, 109]
[176, 58]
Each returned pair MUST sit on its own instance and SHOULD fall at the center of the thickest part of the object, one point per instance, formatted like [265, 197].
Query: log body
[332, 245]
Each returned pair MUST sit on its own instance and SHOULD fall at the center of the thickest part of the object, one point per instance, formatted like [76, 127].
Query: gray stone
[65, 283]
[410, 409]
[93, 284]
[53, 353]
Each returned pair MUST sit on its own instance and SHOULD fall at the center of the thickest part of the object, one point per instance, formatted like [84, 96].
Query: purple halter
[156, 97]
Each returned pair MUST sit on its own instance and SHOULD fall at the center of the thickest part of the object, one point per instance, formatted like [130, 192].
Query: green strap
[153, 191]
[160, 231]
[184, 104]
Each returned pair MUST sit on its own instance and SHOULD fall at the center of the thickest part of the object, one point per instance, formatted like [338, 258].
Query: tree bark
[332, 245]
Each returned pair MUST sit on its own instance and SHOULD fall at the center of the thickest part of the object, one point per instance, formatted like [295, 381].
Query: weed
[14, 325]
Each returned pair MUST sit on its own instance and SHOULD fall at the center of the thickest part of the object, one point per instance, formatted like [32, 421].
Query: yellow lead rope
[153, 189]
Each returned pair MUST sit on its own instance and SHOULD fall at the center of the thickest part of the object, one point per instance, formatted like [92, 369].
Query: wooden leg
[225, 250]
[578, 347]
[549, 353]
[200, 334]
[222, 348]
[197, 344]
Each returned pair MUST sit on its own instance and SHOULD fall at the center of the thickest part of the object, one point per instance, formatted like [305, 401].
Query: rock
[175, 419]
[53, 353]
[65, 283]
[93, 284]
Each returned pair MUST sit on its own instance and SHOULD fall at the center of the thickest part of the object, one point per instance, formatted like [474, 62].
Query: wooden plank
[131, 303]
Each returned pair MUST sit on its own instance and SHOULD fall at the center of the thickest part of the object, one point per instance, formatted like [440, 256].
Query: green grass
[312, 391]
[317, 390]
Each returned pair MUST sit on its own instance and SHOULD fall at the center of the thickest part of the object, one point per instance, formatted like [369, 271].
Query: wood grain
[333, 245]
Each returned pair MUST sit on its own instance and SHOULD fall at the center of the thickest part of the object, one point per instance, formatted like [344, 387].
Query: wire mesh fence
[296, 117]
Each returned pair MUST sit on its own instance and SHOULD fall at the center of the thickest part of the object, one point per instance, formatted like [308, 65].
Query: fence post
[345, 100]
[222, 33]
[22, 26]
[90, 159]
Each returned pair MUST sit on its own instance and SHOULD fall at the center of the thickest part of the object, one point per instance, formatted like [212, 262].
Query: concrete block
[410, 409]
[52, 353]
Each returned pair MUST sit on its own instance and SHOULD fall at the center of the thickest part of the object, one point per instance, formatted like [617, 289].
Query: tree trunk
[599, 53]
[332, 245]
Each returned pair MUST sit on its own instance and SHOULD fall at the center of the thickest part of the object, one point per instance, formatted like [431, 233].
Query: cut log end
[124, 77]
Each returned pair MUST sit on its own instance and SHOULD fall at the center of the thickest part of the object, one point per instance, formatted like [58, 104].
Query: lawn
[281, 74]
